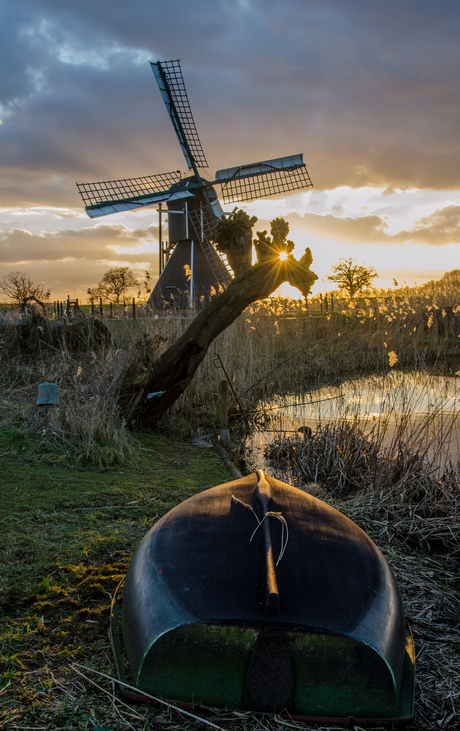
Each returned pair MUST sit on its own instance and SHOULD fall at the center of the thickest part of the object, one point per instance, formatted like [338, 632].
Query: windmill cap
[47, 394]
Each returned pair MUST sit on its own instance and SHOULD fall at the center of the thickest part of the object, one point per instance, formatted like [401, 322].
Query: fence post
[92, 309]
[111, 311]
[100, 306]
[325, 302]
[134, 308]
[321, 301]
[224, 433]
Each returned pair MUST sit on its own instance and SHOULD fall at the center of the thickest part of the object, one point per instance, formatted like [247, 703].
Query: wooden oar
[264, 495]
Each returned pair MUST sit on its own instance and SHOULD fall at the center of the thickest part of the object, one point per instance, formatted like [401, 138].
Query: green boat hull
[199, 624]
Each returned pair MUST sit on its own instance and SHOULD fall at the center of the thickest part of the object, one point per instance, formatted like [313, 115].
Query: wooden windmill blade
[113, 196]
[171, 84]
[263, 179]
[191, 247]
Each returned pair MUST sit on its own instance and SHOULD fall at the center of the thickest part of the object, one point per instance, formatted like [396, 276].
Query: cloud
[440, 228]
[95, 242]
[364, 229]
[77, 258]
[368, 91]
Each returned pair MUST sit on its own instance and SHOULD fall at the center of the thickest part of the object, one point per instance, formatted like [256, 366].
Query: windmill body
[190, 267]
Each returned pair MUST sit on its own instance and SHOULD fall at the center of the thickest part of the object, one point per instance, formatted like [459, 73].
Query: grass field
[68, 536]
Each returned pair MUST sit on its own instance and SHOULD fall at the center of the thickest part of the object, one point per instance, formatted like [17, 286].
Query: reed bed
[398, 468]
[276, 346]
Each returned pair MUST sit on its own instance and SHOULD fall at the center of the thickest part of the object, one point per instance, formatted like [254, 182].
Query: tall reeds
[397, 473]
[276, 347]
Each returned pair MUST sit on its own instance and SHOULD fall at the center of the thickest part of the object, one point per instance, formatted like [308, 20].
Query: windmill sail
[112, 196]
[262, 179]
[193, 269]
[171, 84]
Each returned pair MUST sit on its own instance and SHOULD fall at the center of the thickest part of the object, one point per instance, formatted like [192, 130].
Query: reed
[276, 347]
[394, 475]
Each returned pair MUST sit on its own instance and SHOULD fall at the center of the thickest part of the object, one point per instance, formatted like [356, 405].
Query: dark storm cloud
[368, 91]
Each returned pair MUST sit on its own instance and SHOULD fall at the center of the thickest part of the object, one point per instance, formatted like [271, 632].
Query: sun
[283, 256]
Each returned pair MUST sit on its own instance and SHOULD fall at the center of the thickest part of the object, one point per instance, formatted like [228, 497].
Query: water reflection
[427, 406]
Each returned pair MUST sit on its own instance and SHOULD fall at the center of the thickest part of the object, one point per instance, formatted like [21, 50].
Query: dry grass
[397, 495]
[275, 347]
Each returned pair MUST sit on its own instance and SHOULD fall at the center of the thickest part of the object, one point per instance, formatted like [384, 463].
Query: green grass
[68, 536]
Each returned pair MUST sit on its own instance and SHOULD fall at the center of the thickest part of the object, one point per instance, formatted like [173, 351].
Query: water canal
[423, 407]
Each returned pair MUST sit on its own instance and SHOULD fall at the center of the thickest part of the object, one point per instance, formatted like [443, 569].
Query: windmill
[190, 267]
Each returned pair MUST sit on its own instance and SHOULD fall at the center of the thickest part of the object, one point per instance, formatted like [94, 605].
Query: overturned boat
[255, 595]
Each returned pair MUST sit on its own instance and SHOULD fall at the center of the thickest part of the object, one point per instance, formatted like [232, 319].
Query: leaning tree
[153, 388]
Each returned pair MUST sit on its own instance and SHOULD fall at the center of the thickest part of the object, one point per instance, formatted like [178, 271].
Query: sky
[367, 91]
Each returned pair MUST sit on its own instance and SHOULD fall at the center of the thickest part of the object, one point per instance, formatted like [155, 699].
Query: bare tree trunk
[173, 371]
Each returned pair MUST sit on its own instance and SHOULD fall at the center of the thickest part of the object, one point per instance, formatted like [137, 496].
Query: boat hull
[198, 627]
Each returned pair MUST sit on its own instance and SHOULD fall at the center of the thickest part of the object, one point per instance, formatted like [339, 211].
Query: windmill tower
[190, 266]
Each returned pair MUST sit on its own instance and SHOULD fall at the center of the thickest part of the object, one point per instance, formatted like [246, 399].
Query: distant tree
[115, 284]
[93, 295]
[23, 291]
[352, 277]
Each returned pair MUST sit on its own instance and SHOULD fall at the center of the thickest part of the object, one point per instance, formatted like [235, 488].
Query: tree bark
[170, 375]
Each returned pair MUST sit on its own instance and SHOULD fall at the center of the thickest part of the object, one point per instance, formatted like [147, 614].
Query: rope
[268, 514]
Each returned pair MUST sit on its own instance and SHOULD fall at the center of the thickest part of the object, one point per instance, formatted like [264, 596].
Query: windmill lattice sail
[171, 84]
[263, 179]
[112, 196]
[193, 268]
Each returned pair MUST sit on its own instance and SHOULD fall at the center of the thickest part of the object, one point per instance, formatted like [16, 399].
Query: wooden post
[325, 302]
[332, 302]
[160, 243]
[134, 308]
[321, 301]
[100, 306]
[92, 309]
[224, 433]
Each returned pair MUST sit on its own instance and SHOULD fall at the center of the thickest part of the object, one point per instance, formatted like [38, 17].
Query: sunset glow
[369, 93]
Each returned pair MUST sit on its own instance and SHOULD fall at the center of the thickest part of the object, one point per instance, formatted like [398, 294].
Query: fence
[110, 310]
